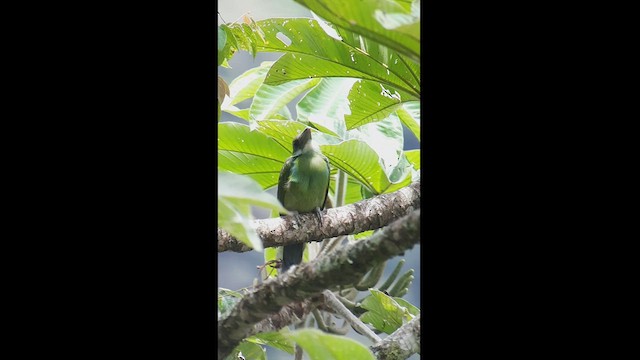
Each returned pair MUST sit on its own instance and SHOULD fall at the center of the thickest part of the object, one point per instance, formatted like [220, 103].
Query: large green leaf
[236, 195]
[240, 113]
[412, 309]
[283, 132]
[372, 101]
[248, 350]
[387, 139]
[321, 346]
[409, 114]
[312, 53]
[283, 114]
[326, 105]
[236, 220]
[279, 340]
[406, 4]
[384, 21]
[407, 22]
[245, 86]
[384, 312]
[395, 63]
[251, 153]
[269, 99]
[240, 189]
[360, 161]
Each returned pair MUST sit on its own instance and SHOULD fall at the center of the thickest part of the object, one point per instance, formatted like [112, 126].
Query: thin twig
[221, 17]
[357, 325]
[319, 320]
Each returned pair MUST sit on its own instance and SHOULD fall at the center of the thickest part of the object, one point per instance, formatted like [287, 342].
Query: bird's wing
[284, 178]
[326, 192]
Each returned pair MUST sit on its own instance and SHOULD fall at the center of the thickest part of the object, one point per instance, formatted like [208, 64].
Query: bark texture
[344, 266]
[403, 343]
[354, 218]
[289, 314]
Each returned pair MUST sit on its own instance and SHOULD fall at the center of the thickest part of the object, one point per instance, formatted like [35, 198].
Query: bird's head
[302, 143]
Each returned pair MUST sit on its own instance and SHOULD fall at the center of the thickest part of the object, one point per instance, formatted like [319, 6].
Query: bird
[303, 187]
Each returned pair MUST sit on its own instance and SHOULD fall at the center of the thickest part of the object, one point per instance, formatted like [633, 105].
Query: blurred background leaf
[236, 195]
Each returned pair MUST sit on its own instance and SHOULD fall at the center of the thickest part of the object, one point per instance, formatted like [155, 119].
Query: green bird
[303, 187]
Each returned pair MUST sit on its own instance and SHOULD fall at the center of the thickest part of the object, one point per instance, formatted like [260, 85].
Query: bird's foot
[319, 215]
[296, 219]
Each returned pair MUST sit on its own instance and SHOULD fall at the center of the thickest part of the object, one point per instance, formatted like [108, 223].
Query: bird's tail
[291, 255]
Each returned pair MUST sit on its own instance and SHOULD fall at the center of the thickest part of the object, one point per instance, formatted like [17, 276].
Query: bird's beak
[305, 136]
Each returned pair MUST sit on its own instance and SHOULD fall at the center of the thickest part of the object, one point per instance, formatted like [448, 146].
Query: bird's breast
[307, 184]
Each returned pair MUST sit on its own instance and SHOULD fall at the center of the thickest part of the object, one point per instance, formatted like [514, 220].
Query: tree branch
[354, 218]
[403, 343]
[356, 324]
[342, 267]
[289, 314]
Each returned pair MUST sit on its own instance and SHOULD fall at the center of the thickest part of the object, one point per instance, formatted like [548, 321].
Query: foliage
[356, 68]
[386, 313]
[322, 346]
[236, 194]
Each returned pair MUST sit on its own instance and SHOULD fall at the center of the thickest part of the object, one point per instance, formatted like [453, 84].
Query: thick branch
[403, 343]
[364, 215]
[342, 267]
[289, 314]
